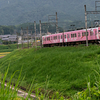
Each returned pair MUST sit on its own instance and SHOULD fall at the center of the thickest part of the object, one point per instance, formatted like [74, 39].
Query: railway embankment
[62, 69]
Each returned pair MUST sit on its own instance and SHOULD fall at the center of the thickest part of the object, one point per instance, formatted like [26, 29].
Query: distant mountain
[21, 11]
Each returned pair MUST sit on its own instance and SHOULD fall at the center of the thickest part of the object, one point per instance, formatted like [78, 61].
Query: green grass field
[8, 48]
[11, 47]
[62, 69]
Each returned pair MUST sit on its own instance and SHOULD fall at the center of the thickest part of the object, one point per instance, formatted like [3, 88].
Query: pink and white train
[72, 37]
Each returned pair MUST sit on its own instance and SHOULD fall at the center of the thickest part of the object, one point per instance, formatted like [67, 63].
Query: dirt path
[21, 93]
[1, 57]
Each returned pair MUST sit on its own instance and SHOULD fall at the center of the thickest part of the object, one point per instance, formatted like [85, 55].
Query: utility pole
[53, 19]
[90, 12]
[17, 40]
[35, 33]
[40, 36]
[86, 26]
[31, 39]
[22, 37]
[56, 23]
[27, 38]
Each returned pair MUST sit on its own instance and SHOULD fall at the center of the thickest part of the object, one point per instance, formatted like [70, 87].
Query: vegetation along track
[62, 69]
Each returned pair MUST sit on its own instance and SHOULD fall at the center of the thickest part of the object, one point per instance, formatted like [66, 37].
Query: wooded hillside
[22, 11]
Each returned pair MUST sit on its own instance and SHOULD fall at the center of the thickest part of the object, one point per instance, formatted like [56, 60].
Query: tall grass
[6, 92]
[91, 92]
[65, 69]
[10, 92]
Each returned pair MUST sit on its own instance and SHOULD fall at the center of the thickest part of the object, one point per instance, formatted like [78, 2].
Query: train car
[52, 40]
[72, 37]
[79, 36]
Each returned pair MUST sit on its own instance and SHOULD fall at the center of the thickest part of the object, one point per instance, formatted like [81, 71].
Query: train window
[87, 33]
[55, 37]
[58, 37]
[95, 32]
[75, 35]
[91, 33]
[98, 30]
[68, 36]
[71, 35]
[48, 38]
[82, 33]
[79, 34]
[61, 36]
[65, 36]
[51, 37]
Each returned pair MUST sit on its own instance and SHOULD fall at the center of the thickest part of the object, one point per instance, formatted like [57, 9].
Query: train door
[95, 33]
[62, 39]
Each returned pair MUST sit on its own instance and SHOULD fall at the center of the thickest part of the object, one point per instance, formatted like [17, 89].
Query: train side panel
[80, 35]
[52, 39]
[73, 36]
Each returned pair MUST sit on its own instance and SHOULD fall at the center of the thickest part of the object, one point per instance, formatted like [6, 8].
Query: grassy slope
[66, 68]
[8, 48]
[11, 47]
